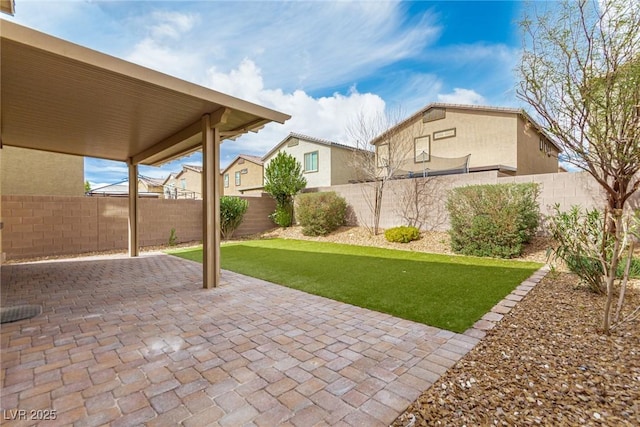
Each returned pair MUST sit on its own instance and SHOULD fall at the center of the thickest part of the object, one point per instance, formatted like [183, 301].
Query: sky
[322, 62]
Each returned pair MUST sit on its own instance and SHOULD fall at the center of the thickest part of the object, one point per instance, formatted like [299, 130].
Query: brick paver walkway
[133, 341]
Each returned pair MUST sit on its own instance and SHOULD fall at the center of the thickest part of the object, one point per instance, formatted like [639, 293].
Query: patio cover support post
[133, 209]
[210, 202]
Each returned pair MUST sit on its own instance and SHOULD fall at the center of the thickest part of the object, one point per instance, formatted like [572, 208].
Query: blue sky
[321, 62]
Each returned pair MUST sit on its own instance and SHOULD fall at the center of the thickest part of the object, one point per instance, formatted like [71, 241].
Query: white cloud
[163, 48]
[324, 117]
[297, 45]
[171, 24]
[462, 96]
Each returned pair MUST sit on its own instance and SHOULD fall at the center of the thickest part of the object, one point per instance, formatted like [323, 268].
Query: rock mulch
[544, 363]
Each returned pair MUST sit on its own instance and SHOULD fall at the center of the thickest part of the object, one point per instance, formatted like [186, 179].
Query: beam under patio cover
[61, 97]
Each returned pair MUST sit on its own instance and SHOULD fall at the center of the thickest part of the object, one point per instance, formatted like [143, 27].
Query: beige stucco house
[448, 138]
[32, 172]
[324, 163]
[186, 184]
[244, 175]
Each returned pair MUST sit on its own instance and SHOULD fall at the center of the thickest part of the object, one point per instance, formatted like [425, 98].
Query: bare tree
[421, 202]
[580, 71]
[392, 145]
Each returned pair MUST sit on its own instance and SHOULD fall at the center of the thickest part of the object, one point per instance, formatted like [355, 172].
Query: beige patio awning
[61, 97]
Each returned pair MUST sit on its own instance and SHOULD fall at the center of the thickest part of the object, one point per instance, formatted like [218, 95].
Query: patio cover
[61, 97]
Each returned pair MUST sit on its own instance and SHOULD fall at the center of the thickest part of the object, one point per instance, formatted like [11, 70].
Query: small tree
[232, 210]
[87, 186]
[580, 71]
[282, 180]
[374, 169]
[421, 202]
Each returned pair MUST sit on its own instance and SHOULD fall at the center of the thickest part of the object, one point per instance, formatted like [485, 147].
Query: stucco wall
[530, 158]
[33, 172]
[253, 177]
[342, 170]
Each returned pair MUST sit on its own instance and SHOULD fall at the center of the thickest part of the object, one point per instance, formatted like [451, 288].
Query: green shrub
[634, 270]
[282, 216]
[493, 220]
[580, 236]
[232, 210]
[402, 234]
[320, 213]
[173, 238]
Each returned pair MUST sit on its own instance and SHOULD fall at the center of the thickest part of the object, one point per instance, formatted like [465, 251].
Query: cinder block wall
[60, 225]
[36, 226]
[567, 189]
[256, 220]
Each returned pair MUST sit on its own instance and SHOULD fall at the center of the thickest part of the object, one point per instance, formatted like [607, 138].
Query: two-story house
[449, 138]
[324, 163]
[186, 184]
[244, 175]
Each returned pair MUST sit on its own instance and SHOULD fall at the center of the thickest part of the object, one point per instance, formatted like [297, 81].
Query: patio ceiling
[61, 97]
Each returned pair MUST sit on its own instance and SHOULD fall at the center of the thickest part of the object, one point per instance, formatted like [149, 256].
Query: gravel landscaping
[544, 364]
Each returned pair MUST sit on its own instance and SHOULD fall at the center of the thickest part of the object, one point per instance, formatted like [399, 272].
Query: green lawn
[449, 292]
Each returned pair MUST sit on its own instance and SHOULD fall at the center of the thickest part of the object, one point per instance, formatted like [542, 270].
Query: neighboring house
[151, 185]
[147, 187]
[324, 163]
[449, 138]
[186, 184]
[33, 172]
[244, 175]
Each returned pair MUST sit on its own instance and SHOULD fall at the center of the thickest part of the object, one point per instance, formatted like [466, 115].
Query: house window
[226, 180]
[311, 162]
[244, 171]
[545, 146]
[238, 178]
[421, 149]
[442, 134]
[183, 183]
[382, 155]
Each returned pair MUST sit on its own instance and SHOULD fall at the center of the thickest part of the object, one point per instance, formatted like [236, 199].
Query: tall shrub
[320, 213]
[580, 236]
[282, 180]
[493, 220]
[232, 210]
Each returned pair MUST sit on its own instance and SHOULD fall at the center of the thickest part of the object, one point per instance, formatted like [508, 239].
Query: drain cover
[19, 312]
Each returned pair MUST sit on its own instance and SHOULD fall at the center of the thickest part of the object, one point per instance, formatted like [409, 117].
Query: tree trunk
[625, 279]
[377, 208]
[610, 276]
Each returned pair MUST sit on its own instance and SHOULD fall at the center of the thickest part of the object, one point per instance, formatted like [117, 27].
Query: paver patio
[133, 341]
